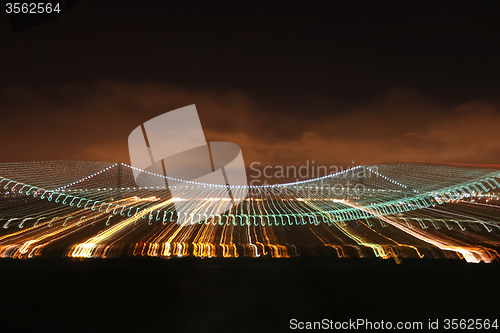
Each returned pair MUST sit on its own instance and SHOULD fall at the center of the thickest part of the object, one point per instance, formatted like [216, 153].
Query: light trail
[95, 210]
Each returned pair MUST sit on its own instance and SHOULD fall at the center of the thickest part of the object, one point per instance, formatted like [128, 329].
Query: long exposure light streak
[400, 210]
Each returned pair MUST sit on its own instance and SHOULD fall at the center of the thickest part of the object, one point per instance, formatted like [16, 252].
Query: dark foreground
[237, 295]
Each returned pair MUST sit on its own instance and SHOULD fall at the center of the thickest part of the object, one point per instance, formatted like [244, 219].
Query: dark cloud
[92, 122]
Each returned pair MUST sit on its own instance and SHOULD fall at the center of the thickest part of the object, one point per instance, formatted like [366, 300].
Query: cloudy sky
[327, 82]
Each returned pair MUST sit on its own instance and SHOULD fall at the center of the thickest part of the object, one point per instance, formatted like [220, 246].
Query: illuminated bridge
[399, 210]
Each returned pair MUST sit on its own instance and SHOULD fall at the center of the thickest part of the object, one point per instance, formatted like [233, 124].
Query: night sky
[325, 81]
[290, 82]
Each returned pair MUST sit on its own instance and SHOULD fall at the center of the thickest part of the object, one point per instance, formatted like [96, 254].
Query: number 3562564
[31, 8]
